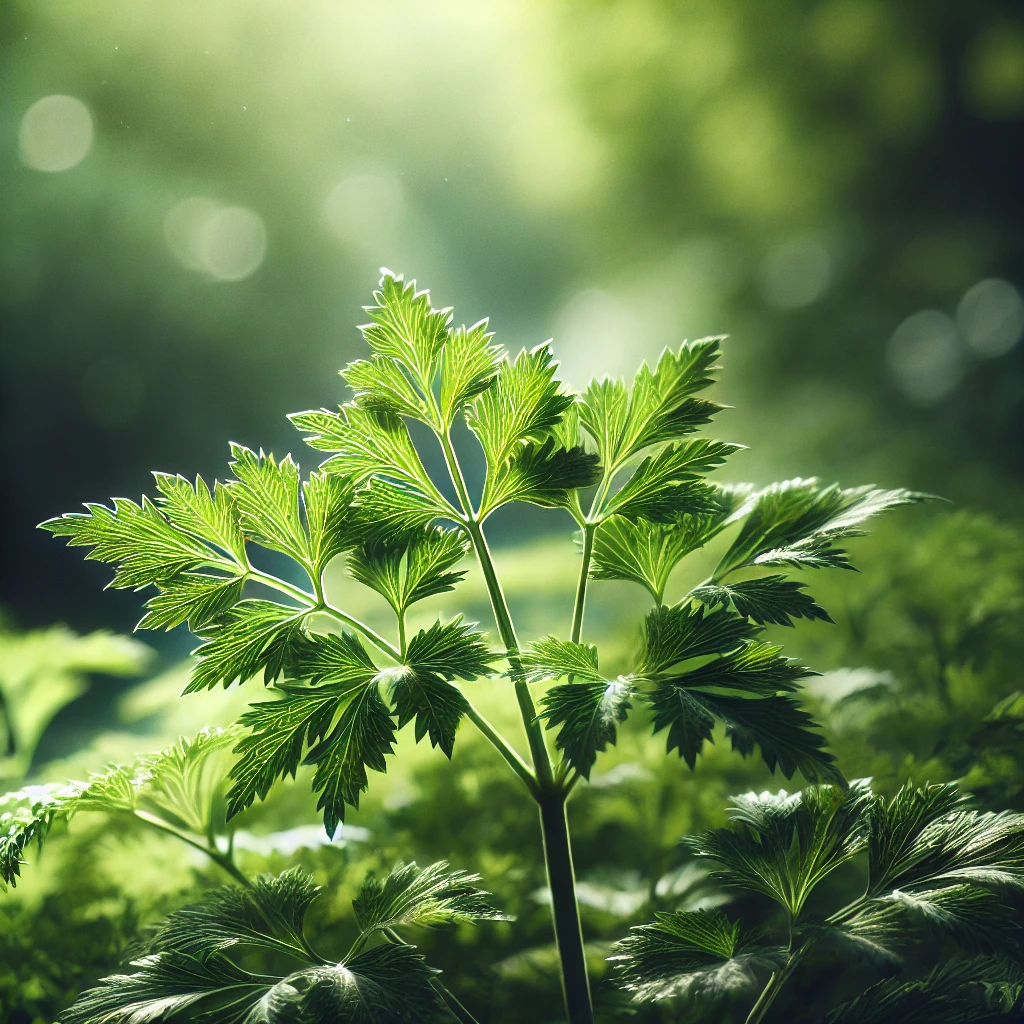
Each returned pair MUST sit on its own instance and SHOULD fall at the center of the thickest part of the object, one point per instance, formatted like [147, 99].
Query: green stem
[8, 723]
[774, 986]
[451, 1000]
[581, 588]
[564, 908]
[220, 859]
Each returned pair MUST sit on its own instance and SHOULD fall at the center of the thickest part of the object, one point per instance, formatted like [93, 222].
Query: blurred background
[197, 197]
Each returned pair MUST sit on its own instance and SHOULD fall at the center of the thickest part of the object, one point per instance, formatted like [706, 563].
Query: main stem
[774, 986]
[549, 793]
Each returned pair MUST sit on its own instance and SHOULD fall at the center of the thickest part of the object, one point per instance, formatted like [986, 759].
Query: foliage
[341, 692]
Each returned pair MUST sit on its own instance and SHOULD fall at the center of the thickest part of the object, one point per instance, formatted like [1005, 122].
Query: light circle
[991, 317]
[232, 243]
[925, 356]
[56, 133]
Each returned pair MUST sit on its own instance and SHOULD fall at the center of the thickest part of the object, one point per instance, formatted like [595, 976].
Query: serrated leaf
[694, 954]
[668, 484]
[26, 817]
[768, 600]
[796, 523]
[381, 383]
[363, 736]
[388, 984]
[524, 404]
[195, 509]
[589, 714]
[436, 706]
[145, 547]
[194, 598]
[428, 897]
[754, 668]
[411, 566]
[469, 366]
[265, 494]
[784, 844]
[252, 636]
[646, 553]
[681, 632]
[404, 327]
[540, 473]
[551, 658]
[167, 985]
[660, 406]
[451, 650]
[331, 519]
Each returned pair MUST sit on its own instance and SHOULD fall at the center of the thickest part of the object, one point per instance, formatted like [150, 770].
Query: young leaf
[331, 518]
[796, 523]
[427, 897]
[26, 817]
[469, 366]
[770, 599]
[363, 736]
[380, 383]
[540, 473]
[252, 636]
[551, 658]
[265, 493]
[667, 485]
[524, 404]
[695, 953]
[409, 567]
[211, 516]
[660, 406]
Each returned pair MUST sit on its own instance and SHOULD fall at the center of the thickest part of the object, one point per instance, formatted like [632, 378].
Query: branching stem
[774, 986]
[581, 588]
[222, 860]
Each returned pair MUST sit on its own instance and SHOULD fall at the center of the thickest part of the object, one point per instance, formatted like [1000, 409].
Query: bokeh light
[56, 133]
[795, 274]
[227, 242]
[926, 356]
[991, 317]
[363, 207]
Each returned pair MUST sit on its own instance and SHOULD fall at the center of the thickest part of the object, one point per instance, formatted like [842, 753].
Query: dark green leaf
[681, 632]
[770, 599]
[436, 705]
[589, 714]
[451, 650]
[754, 668]
[428, 897]
[541, 473]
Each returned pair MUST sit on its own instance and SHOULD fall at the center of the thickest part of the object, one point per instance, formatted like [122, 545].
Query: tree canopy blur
[198, 195]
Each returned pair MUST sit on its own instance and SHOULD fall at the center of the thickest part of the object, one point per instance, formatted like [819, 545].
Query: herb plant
[624, 462]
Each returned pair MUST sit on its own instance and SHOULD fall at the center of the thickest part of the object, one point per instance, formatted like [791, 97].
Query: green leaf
[380, 383]
[667, 485]
[589, 714]
[678, 633]
[167, 985]
[436, 705]
[525, 403]
[265, 493]
[783, 845]
[331, 519]
[540, 473]
[451, 650]
[469, 366]
[696, 954]
[660, 406]
[361, 739]
[370, 443]
[688, 718]
[926, 837]
[388, 984]
[754, 668]
[770, 599]
[138, 539]
[428, 897]
[551, 658]
[192, 597]
[270, 915]
[797, 523]
[252, 636]
[405, 328]
[410, 567]
[211, 516]
[26, 817]
[646, 553]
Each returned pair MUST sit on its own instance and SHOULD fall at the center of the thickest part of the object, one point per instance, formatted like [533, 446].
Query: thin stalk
[8, 723]
[451, 1000]
[564, 909]
[401, 634]
[774, 986]
[220, 859]
[581, 588]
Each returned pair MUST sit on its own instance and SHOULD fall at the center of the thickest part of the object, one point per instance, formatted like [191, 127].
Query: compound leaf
[429, 897]
[589, 714]
[768, 600]
[208, 515]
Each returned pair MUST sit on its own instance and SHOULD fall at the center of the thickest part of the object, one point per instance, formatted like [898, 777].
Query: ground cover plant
[395, 499]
